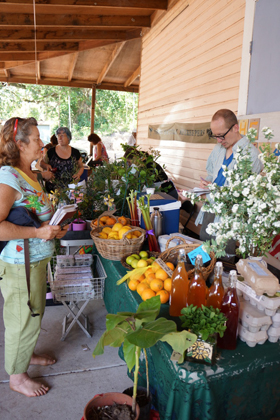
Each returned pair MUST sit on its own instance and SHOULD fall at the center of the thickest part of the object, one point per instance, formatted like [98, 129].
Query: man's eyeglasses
[221, 137]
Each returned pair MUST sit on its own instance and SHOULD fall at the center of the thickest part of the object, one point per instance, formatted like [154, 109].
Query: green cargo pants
[21, 329]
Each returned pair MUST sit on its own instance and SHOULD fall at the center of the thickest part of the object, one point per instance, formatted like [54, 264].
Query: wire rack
[78, 287]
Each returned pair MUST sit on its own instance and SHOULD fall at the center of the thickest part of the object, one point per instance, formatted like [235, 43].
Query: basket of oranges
[153, 282]
[114, 241]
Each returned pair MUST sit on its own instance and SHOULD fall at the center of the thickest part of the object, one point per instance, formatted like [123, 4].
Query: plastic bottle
[216, 291]
[230, 307]
[180, 286]
[157, 222]
[197, 289]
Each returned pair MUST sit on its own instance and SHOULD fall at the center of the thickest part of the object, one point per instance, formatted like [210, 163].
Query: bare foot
[23, 384]
[43, 360]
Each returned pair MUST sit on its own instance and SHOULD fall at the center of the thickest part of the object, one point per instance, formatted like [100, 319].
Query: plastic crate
[78, 289]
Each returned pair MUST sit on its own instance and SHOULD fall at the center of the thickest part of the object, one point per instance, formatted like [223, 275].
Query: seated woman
[100, 153]
[63, 160]
[162, 181]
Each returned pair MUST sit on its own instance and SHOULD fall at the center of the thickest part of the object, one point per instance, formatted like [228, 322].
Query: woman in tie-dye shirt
[20, 145]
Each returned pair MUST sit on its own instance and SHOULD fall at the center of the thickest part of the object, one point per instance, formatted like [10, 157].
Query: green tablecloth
[244, 384]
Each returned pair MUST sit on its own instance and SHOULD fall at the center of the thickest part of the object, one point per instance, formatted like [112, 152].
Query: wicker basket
[112, 249]
[171, 255]
[128, 267]
[106, 213]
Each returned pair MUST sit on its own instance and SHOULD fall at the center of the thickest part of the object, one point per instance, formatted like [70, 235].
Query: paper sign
[243, 127]
[193, 254]
[255, 123]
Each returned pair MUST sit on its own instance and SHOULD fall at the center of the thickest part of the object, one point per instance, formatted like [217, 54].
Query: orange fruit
[148, 272]
[147, 294]
[103, 219]
[122, 220]
[168, 284]
[141, 287]
[110, 221]
[140, 278]
[133, 284]
[161, 274]
[155, 267]
[156, 285]
[170, 265]
[164, 296]
[150, 278]
[137, 233]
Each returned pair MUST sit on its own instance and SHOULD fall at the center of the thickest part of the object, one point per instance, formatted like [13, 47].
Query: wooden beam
[92, 114]
[38, 70]
[42, 46]
[13, 64]
[72, 66]
[29, 56]
[27, 19]
[137, 4]
[67, 34]
[111, 60]
[73, 83]
[134, 76]
[7, 73]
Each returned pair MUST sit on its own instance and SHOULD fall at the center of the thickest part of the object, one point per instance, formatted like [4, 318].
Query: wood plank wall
[190, 68]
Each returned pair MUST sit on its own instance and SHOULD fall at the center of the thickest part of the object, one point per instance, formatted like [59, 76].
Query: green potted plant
[206, 323]
[139, 331]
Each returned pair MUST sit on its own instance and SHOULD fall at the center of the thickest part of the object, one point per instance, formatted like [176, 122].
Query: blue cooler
[170, 217]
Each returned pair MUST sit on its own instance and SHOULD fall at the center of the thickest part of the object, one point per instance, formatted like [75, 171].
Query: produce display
[110, 220]
[149, 280]
[115, 229]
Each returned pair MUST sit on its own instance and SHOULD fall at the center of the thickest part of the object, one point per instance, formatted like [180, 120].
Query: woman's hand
[47, 175]
[62, 232]
[46, 231]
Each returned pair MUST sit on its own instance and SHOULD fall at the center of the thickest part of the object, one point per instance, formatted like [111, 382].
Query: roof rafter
[72, 66]
[134, 76]
[111, 60]
[137, 4]
[16, 20]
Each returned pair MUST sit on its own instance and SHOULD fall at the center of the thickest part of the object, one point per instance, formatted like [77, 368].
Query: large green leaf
[112, 338]
[180, 342]
[151, 332]
[129, 354]
[150, 305]
[113, 320]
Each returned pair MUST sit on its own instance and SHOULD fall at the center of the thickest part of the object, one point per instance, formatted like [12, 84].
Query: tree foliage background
[71, 107]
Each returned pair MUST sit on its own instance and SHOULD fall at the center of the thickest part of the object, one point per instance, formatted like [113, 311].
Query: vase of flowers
[248, 205]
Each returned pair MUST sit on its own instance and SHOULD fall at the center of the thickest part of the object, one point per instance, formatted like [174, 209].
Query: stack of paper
[63, 214]
[199, 191]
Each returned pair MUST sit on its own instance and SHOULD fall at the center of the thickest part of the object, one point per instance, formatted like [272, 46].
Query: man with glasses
[225, 129]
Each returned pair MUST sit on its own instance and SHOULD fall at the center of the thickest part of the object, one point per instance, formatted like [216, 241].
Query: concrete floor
[74, 379]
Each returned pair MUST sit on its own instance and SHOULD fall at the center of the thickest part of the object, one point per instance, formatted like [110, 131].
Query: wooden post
[93, 96]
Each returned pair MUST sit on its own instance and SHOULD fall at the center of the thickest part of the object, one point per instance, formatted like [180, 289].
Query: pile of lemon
[117, 231]
[139, 260]
[154, 282]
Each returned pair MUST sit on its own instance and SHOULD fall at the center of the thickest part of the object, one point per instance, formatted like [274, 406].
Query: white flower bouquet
[248, 205]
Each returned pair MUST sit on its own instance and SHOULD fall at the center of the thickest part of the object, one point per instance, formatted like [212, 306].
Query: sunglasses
[222, 136]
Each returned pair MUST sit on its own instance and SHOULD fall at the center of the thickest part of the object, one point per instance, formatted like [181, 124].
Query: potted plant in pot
[206, 323]
[138, 331]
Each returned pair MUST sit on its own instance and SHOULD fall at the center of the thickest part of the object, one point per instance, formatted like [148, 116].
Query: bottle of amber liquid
[230, 307]
[216, 291]
[180, 286]
[197, 288]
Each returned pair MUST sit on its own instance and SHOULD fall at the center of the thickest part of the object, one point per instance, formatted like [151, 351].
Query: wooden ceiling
[78, 43]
